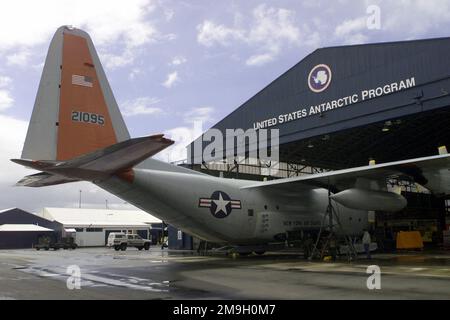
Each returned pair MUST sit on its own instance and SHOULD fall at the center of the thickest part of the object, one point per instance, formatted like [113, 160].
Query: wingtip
[162, 138]
[18, 161]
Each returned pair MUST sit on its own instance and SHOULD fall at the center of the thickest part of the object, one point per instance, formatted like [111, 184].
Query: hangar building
[93, 226]
[341, 107]
[22, 229]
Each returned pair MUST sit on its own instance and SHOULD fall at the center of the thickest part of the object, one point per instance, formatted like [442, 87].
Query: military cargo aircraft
[77, 133]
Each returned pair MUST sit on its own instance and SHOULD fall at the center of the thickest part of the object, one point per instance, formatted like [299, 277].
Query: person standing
[366, 242]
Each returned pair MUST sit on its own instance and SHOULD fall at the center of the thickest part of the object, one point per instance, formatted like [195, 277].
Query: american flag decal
[84, 81]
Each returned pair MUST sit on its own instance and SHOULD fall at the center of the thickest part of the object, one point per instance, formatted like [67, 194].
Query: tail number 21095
[87, 117]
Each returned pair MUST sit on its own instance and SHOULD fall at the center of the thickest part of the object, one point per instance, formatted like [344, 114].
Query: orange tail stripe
[88, 133]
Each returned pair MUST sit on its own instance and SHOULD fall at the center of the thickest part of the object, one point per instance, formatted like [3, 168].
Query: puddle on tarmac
[95, 279]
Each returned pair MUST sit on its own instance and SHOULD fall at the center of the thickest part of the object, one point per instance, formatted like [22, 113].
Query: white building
[93, 226]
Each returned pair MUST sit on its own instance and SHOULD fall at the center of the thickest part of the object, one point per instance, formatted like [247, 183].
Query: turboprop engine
[370, 200]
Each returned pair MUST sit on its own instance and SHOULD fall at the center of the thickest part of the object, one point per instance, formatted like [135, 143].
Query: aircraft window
[250, 212]
[265, 207]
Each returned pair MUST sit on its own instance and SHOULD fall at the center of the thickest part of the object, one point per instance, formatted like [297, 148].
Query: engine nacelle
[370, 200]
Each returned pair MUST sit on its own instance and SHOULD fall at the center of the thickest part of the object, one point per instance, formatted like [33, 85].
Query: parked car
[120, 241]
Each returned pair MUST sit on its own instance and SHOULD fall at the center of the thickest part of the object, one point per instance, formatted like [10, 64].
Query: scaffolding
[327, 242]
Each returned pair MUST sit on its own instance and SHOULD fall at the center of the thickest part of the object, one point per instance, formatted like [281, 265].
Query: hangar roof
[7, 209]
[99, 217]
[22, 227]
[401, 110]
[13, 216]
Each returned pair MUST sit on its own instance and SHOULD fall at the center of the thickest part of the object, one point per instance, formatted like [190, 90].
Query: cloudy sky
[173, 62]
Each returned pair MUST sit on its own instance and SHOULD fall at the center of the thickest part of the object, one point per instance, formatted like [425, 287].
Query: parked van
[120, 241]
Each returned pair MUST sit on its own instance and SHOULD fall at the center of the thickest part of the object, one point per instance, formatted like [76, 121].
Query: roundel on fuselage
[220, 204]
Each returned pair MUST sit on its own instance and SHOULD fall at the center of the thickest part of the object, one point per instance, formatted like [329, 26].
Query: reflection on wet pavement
[170, 274]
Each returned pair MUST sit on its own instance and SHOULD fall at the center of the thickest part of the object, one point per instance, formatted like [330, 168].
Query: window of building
[79, 229]
[94, 229]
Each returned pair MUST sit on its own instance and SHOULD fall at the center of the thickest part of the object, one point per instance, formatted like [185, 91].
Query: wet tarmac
[162, 274]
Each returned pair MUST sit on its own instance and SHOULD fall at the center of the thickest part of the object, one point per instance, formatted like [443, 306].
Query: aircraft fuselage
[218, 210]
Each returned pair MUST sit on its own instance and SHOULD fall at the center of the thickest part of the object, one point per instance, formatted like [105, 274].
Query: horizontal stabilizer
[97, 165]
[43, 179]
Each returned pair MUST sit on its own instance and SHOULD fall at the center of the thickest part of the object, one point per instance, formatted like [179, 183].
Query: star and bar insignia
[220, 204]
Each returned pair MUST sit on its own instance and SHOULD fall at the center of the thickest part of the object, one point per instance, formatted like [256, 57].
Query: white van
[120, 241]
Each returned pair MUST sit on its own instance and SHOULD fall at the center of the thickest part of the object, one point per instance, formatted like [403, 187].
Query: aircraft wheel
[123, 247]
[117, 248]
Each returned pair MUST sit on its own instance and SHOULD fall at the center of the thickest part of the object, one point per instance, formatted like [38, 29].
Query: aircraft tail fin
[75, 112]
[117, 159]
[76, 131]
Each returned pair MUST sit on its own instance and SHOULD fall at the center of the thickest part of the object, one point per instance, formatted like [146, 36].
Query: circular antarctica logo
[319, 78]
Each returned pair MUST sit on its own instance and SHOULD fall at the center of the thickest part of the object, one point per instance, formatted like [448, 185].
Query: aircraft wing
[431, 172]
